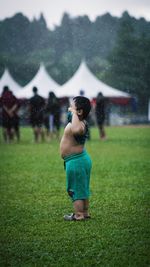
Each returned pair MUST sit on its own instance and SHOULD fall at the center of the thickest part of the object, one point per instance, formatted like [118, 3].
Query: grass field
[33, 201]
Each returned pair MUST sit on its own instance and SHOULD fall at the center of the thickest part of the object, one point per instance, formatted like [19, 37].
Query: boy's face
[74, 108]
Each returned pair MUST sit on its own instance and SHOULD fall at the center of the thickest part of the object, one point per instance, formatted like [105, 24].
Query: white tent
[7, 80]
[84, 80]
[42, 81]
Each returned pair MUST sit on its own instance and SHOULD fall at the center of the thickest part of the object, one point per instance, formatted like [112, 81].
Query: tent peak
[84, 79]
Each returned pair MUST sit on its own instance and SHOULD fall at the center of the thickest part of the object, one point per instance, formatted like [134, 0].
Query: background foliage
[116, 50]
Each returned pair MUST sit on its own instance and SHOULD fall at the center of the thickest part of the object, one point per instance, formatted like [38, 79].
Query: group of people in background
[44, 115]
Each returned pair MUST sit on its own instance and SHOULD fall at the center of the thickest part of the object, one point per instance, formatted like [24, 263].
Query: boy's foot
[71, 217]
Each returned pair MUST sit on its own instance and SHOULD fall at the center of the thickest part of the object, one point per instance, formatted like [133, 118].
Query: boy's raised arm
[77, 126]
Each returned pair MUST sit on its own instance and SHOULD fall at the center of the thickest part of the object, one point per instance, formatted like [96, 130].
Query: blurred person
[9, 107]
[100, 114]
[16, 119]
[36, 108]
[52, 116]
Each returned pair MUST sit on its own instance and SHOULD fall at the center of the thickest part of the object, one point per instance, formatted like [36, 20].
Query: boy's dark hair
[83, 103]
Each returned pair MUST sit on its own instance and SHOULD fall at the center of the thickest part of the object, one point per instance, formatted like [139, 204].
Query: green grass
[33, 201]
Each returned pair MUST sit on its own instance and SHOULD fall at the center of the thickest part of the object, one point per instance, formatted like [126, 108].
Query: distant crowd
[44, 115]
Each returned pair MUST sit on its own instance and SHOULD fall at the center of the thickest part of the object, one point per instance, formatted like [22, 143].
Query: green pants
[78, 169]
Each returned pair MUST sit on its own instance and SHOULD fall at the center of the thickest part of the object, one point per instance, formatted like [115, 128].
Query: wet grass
[33, 201]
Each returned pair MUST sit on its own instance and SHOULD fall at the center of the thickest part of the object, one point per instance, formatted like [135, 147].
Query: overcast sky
[54, 9]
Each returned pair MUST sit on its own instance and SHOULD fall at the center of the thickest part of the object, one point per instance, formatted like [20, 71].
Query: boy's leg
[79, 209]
[86, 207]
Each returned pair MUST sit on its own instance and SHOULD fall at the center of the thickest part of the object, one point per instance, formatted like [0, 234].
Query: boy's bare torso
[68, 144]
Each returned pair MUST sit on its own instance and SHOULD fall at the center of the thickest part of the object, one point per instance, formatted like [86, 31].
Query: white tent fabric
[7, 80]
[42, 81]
[84, 80]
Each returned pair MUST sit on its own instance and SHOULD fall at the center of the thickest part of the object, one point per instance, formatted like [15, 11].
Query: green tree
[24, 44]
[129, 63]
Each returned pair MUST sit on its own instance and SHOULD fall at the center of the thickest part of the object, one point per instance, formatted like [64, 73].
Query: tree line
[116, 50]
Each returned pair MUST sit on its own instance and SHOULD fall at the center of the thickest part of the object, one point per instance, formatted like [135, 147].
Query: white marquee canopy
[84, 80]
[7, 80]
[42, 81]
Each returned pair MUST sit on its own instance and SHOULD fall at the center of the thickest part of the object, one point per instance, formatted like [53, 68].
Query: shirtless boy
[77, 161]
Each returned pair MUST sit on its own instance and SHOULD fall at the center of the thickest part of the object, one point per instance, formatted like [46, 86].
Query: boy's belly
[66, 149]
